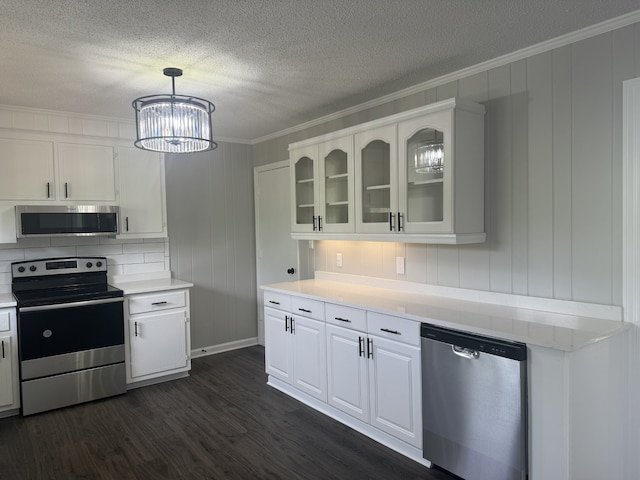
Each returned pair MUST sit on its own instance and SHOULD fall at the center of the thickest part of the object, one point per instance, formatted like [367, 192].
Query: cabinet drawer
[307, 307]
[277, 300]
[394, 328]
[347, 317]
[157, 301]
[5, 320]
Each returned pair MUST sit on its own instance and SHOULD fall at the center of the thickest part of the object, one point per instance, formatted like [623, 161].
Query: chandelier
[173, 123]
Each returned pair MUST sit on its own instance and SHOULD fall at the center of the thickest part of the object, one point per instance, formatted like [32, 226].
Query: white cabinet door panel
[278, 355]
[6, 372]
[394, 382]
[87, 173]
[27, 170]
[310, 373]
[158, 342]
[347, 375]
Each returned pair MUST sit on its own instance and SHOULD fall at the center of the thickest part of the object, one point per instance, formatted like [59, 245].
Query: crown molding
[561, 41]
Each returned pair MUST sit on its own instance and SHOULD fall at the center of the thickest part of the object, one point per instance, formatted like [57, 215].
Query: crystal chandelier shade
[174, 123]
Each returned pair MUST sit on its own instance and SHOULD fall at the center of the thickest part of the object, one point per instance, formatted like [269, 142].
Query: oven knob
[21, 269]
[89, 264]
[32, 268]
[98, 264]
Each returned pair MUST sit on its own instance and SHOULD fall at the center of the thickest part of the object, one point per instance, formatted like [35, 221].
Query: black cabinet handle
[126, 223]
[304, 310]
[395, 332]
[346, 320]
[314, 223]
[369, 348]
[291, 271]
[400, 225]
[274, 302]
[48, 189]
[156, 304]
[135, 328]
[319, 223]
[66, 189]
[390, 222]
[292, 325]
[286, 323]
[3, 349]
[360, 347]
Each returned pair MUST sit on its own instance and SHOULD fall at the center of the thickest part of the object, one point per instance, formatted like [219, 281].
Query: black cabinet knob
[291, 271]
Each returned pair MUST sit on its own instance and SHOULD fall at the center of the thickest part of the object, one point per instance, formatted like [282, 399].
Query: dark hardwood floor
[223, 422]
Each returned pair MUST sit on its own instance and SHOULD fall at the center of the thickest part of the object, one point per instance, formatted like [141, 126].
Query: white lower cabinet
[361, 363]
[377, 381]
[157, 333]
[295, 351]
[9, 388]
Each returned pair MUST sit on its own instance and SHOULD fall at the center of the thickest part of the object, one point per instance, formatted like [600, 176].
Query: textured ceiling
[266, 64]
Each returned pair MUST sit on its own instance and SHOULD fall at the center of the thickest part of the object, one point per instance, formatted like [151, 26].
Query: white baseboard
[223, 347]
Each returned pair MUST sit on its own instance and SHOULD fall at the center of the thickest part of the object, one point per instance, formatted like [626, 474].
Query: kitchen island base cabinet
[158, 339]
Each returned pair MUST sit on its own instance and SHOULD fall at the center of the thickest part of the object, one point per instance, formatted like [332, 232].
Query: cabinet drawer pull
[369, 348]
[3, 349]
[343, 319]
[156, 304]
[48, 189]
[135, 328]
[304, 310]
[126, 223]
[274, 302]
[319, 223]
[360, 347]
[286, 323]
[390, 222]
[66, 189]
[292, 325]
[400, 225]
[395, 332]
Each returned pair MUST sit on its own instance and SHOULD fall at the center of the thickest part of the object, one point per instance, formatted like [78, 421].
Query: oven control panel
[58, 266]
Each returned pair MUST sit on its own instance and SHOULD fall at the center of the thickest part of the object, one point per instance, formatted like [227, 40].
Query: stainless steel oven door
[70, 353]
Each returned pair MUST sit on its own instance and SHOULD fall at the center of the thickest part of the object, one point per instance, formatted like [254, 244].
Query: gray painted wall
[210, 217]
[553, 178]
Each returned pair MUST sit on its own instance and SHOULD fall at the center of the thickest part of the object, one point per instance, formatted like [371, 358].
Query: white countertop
[7, 300]
[153, 285]
[559, 331]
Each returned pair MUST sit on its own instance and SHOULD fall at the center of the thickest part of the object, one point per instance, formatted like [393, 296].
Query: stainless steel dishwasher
[474, 404]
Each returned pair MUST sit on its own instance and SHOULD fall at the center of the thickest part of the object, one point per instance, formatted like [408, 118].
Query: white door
[276, 252]
[347, 380]
[394, 383]
[309, 357]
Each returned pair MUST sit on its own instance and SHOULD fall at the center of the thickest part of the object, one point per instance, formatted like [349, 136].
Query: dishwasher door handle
[465, 352]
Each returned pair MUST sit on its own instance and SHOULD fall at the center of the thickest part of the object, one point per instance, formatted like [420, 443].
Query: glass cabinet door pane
[304, 191]
[336, 188]
[425, 167]
[376, 182]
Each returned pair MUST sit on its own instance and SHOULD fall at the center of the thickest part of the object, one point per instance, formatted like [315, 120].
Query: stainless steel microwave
[66, 220]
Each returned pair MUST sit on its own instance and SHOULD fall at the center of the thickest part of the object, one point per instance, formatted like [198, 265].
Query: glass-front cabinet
[336, 207]
[414, 177]
[304, 188]
[425, 174]
[376, 180]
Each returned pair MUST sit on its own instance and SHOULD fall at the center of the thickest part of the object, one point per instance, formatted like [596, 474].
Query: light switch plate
[338, 260]
[400, 265]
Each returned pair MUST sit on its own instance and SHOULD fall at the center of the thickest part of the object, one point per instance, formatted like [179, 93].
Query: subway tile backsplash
[124, 257]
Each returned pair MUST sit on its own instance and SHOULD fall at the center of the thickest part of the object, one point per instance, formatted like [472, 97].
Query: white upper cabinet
[335, 174]
[86, 173]
[27, 170]
[304, 189]
[141, 192]
[418, 178]
[376, 179]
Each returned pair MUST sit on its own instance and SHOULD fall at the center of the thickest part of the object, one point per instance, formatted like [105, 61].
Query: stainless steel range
[70, 332]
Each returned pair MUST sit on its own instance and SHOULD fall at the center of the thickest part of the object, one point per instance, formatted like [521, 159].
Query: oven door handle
[59, 306]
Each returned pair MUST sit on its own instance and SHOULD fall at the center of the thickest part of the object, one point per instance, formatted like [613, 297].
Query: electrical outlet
[400, 265]
[338, 260]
